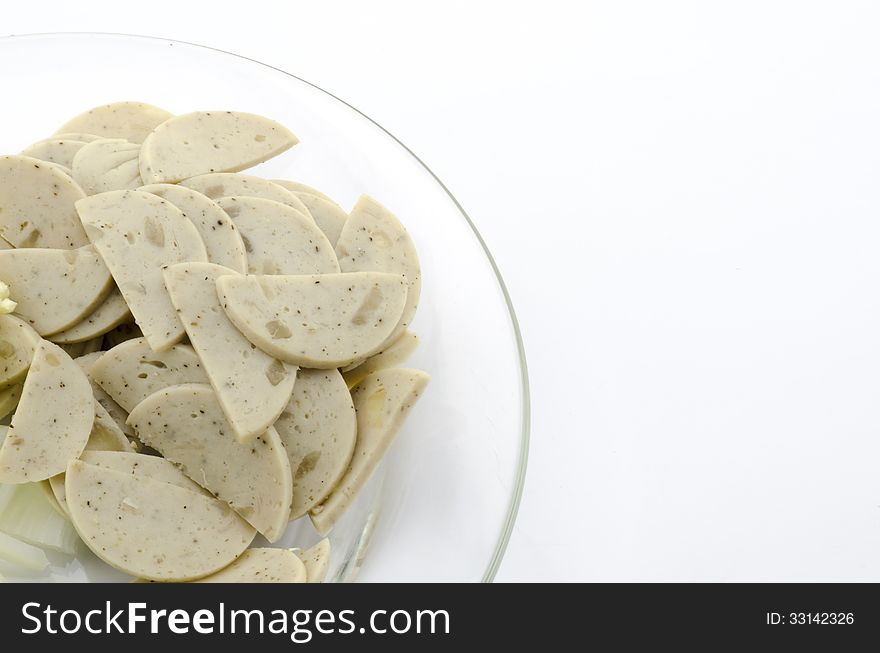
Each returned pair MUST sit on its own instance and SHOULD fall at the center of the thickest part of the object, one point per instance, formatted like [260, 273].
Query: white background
[684, 199]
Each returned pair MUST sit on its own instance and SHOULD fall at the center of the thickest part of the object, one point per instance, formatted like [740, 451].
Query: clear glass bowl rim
[522, 462]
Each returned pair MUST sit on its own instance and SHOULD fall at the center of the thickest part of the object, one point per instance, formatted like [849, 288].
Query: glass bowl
[442, 505]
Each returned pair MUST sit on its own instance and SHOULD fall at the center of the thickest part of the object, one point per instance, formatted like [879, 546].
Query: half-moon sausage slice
[318, 429]
[55, 150]
[105, 165]
[53, 420]
[317, 320]
[37, 205]
[210, 141]
[262, 566]
[129, 120]
[373, 239]
[151, 529]
[279, 239]
[382, 401]
[187, 426]
[131, 371]
[55, 288]
[138, 234]
[327, 214]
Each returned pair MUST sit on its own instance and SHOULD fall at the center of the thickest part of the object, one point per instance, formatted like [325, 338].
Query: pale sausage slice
[151, 529]
[52, 423]
[392, 356]
[210, 141]
[138, 234]
[129, 120]
[252, 386]
[222, 240]
[382, 401]
[229, 184]
[297, 187]
[107, 164]
[37, 205]
[318, 429]
[373, 239]
[132, 371]
[17, 343]
[187, 426]
[327, 214]
[56, 150]
[55, 288]
[317, 561]
[262, 566]
[320, 321]
[279, 239]
[109, 314]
